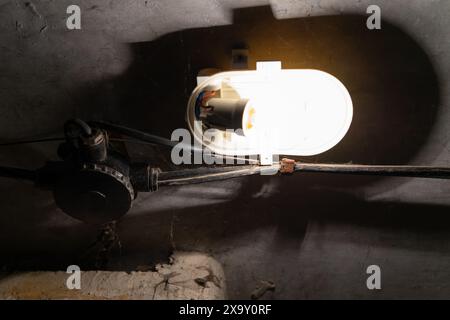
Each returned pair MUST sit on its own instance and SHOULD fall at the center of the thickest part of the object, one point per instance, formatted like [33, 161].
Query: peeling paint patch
[176, 280]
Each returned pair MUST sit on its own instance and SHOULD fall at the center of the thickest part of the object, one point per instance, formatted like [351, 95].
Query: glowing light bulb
[290, 112]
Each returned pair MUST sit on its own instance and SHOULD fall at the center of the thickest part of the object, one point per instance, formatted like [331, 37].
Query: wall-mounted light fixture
[270, 110]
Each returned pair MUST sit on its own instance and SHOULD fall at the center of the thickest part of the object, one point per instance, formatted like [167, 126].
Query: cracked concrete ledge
[189, 275]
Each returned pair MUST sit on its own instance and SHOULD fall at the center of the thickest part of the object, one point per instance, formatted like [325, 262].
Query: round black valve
[95, 194]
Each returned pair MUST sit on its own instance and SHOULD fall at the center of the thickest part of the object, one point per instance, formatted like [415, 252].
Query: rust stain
[287, 166]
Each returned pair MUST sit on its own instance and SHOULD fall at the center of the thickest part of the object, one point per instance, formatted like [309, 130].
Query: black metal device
[92, 182]
[96, 184]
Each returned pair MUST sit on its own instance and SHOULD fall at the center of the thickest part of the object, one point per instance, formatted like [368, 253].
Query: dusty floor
[312, 235]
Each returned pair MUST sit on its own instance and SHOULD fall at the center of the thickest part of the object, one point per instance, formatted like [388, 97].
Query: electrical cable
[20, 142]
[156, 140]
[31, 141]
[137, 134]
[84, 127]
[378, 170]
[17, 173]
[207, 174]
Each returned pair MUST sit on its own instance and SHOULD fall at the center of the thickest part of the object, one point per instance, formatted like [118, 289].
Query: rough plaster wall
[44, 72]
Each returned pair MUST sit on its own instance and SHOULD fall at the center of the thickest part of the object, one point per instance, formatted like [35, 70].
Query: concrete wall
[312, 235]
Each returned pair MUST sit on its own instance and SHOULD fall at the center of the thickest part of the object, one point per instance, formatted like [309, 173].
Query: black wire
[205, 174]
[155, 140]
[137, 134]
[377, 170]
[16, 173]
[85, 129]
[13, 143]
[20, 142]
